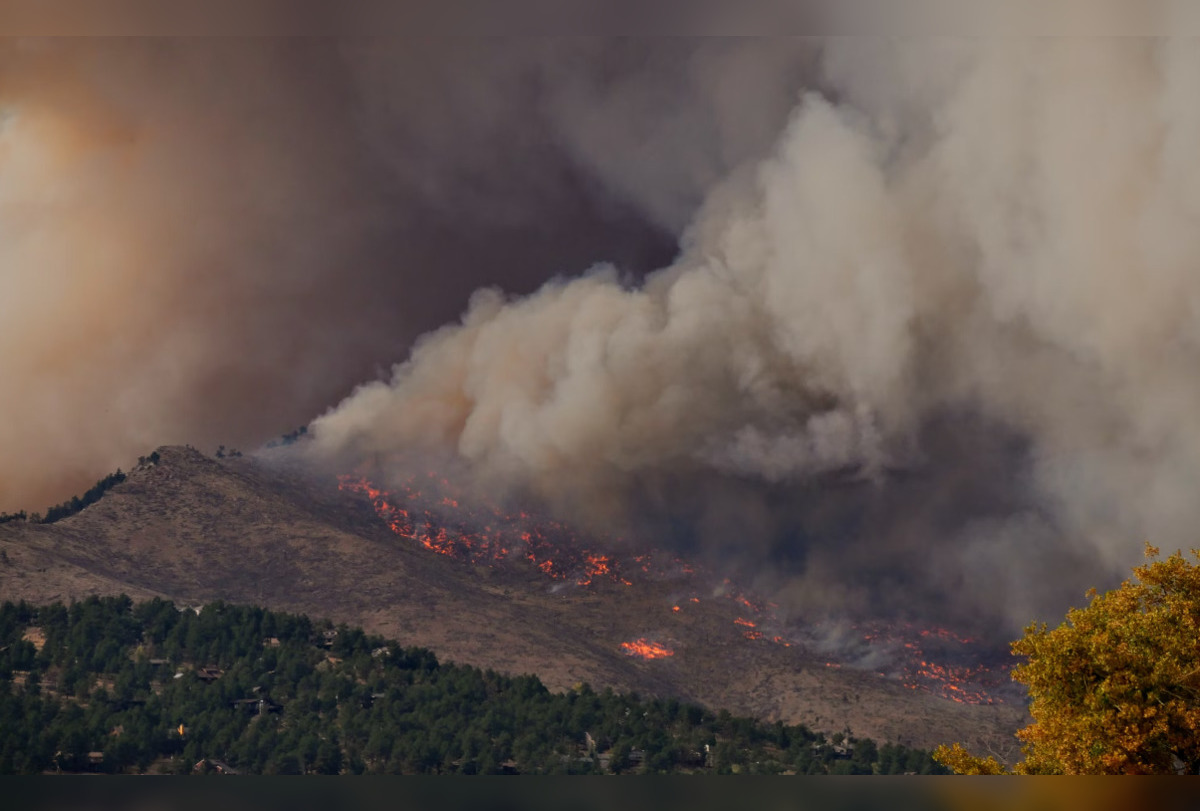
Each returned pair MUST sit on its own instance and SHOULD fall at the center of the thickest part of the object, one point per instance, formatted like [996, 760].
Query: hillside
[194, 529]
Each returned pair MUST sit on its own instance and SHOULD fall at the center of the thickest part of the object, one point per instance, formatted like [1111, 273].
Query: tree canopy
[1115, 689]
[104, 685]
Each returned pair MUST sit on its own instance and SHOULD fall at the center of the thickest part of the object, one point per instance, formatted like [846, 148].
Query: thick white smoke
[1007, 228]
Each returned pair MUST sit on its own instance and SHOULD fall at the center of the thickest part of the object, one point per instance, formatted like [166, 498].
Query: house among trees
[257, 705]
[210, 766]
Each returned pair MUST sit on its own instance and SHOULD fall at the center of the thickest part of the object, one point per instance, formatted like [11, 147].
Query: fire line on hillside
[644, 649]
[431, 512]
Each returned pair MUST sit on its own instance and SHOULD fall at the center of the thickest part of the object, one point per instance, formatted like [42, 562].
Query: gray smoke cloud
[972, 260]
[926, 334]
[209, 241]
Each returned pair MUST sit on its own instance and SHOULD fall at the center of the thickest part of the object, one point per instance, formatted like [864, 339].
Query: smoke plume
[899, 322]
[961, 285]
[210, 241]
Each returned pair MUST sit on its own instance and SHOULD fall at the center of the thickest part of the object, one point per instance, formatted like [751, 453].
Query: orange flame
[429, 511]
[645, 649]
[441, 522]
[965, 684]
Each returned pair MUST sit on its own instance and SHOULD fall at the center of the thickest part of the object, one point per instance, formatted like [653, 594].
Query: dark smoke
[923, 336]
[209, 241]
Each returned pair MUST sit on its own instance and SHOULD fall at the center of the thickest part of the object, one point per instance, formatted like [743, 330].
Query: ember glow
[430, 511]
[644, 649]
[942, 662]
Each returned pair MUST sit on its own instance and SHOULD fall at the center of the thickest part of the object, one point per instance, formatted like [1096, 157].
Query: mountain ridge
[193, 528]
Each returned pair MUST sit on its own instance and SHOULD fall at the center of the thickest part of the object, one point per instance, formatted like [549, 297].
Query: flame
[448, 522]
[644, 649]
[443, 523]
[428, 511]
[599, 566]
[969, 682]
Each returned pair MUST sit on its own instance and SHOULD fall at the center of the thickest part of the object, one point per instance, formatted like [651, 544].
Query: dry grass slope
[194, 529]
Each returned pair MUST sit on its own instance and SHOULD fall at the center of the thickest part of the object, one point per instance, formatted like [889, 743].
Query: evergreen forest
[106, 685]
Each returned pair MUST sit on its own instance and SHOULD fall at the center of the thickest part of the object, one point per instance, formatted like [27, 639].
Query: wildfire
[600, 566]
[961, 675]
[442, 522]
[644, 649]
[429, 511]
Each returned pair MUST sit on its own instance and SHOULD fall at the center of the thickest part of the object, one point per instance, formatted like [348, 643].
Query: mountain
[193, 529]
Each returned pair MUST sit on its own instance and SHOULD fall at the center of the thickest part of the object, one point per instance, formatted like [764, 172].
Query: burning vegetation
[644, 649]
[448, 524]
[962, 676]
[432, 512]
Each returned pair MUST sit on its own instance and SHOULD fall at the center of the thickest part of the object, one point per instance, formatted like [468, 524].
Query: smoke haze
[921, 327]
[209, 241]
[972, 261]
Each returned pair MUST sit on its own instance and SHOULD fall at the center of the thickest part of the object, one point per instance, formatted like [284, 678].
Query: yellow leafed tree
[1116, 688]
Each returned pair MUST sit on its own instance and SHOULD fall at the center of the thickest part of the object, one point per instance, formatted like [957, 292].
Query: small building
[257, 705]
[210, 765]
